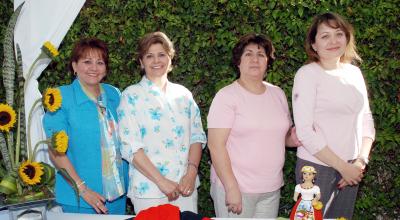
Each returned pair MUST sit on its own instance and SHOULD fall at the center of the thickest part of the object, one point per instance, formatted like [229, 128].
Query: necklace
[306, 187]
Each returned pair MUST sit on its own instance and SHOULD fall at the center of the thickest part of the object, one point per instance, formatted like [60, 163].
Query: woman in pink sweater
[249, 125]
[332, 114]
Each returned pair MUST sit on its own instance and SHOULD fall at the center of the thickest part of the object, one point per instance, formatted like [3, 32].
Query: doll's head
[308, 173]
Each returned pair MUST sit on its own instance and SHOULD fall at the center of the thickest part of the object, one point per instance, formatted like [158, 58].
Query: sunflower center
[5, 118]
[51, 99]
[30, 171]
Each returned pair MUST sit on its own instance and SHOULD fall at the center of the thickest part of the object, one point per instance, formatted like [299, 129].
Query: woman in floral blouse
[161, 132]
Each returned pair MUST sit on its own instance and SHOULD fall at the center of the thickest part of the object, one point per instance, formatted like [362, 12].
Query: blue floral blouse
[164, 125]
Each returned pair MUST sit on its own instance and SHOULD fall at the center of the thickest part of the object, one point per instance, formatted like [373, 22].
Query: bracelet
[80, 184]
[363, 159]
[81, 193]
[192, 164]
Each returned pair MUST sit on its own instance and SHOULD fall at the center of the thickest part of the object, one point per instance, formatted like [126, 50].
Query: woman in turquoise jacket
[88, 116]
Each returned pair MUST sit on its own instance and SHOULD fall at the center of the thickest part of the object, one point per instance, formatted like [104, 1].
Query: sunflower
[7, 117]
[52, 99]
[60, 141]
[30, 172]
[50, 49]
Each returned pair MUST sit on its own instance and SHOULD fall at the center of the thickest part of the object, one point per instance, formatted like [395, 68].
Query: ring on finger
[97, 203]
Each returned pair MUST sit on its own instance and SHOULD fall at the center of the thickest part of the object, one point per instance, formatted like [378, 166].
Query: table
[72, 216]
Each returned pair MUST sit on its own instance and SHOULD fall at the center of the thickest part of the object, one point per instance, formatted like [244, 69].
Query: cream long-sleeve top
[331, 109]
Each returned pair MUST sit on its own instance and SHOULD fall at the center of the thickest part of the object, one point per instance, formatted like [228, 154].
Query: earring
[75, 73]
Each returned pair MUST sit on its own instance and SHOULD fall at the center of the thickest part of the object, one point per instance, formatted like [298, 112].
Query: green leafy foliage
[204, 33]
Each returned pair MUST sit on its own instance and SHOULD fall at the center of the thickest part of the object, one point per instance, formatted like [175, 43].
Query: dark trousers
[337, 203]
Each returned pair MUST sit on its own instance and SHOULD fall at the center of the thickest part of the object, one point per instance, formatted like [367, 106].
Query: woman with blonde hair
[161, 132]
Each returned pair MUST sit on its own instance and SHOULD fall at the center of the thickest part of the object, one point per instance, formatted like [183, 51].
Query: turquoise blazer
[78, 116]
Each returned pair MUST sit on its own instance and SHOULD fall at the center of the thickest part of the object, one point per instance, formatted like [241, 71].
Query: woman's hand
[351, 174]
[94, 199]
[91, 197]
[187, 183]
[291, 138]
[169, 188]
[233, 200]
[342, 183]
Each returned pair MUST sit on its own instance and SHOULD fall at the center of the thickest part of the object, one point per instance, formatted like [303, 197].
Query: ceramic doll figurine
[308, 206]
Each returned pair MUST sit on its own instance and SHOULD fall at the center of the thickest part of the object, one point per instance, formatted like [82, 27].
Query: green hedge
[204, 33]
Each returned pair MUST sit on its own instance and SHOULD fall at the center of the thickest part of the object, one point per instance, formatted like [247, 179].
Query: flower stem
[10, 149]
[36, 146]
[29, 129]
[29, 76]
[18, 143]
[19, 188]
[5, 153]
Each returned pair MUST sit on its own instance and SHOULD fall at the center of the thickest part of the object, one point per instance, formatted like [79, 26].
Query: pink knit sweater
[331, 109]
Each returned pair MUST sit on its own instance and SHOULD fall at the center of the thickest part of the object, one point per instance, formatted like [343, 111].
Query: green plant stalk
[4, 153]
[30, 152]
[29, 76]
[20, 103]
[19, 188]
[9, 136]
[37, 145]
[9, 58]
[17, 144]
[2, 172]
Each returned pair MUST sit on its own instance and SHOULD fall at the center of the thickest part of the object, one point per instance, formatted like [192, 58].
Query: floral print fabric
[164, 125]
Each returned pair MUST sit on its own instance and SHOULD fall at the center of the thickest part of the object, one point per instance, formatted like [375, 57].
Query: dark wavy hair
[252, 38]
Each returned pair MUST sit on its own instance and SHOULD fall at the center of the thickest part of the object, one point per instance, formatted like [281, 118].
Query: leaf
[9, 58]
[4, 152]
[300, 11]
[21, 104]
[3, 171]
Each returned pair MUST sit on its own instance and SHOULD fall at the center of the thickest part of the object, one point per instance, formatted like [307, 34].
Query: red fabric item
[293, 213]
[317, 213]
[206, 218]
[161, 212]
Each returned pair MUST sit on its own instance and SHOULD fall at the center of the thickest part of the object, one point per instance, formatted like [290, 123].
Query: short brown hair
[252, 38]
[155, 38]
[334, 21]
[83, 46]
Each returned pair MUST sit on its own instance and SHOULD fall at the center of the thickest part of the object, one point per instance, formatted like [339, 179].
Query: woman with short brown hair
[161, 132]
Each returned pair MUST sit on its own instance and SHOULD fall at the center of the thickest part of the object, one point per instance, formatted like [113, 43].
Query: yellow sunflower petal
[60, 141]
[50, 49]
[30, 172]
[52, 99]
[8, 117]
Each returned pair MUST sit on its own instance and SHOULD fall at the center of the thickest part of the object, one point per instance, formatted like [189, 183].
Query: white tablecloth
[71, 216]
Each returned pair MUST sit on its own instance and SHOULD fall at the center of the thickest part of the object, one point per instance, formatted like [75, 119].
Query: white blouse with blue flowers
[164, 125]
